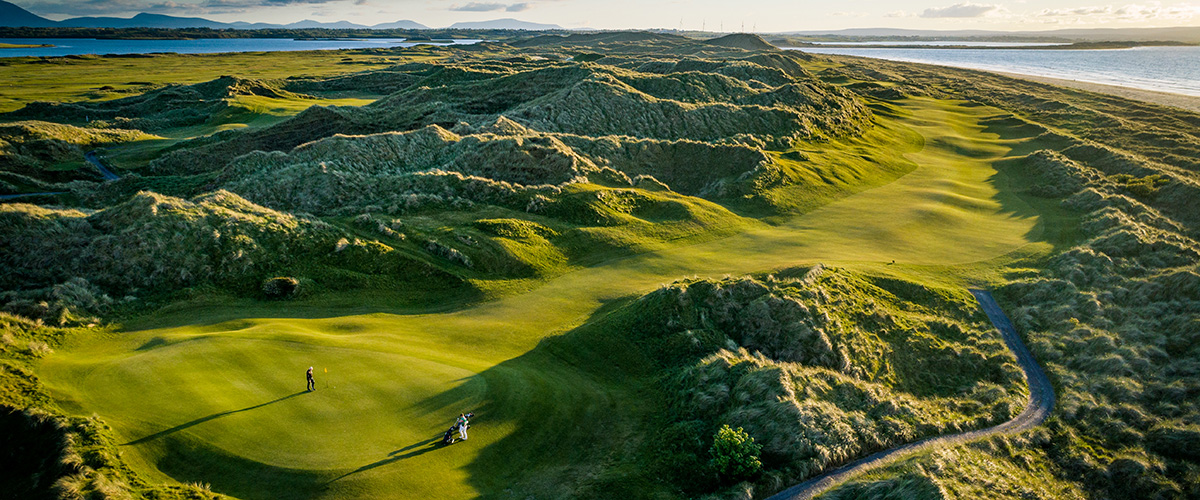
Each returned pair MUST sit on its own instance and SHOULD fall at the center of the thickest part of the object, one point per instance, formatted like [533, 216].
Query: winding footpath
[91, 158]
[1041, 401]
[26, 195]
[94, 159]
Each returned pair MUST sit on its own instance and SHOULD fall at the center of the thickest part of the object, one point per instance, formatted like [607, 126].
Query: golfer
[462, 426]
[312, 384]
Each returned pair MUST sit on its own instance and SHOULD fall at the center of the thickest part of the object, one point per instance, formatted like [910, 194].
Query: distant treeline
[193, 33]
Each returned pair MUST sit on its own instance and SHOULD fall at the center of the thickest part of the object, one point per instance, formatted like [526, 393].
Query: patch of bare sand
[1182, 101]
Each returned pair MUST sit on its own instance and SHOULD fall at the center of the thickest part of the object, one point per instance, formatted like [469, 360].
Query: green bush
[735, 455]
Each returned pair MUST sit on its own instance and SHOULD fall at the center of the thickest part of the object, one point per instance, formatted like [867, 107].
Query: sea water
[1165, 69]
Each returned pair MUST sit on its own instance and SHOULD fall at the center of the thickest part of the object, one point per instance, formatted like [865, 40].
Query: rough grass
[395, 380]
[1111, 313]
[731, 102]
[820, 366]
[52, 152]
[503, 178]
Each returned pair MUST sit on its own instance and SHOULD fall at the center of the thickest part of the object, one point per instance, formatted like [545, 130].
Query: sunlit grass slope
[198, 397]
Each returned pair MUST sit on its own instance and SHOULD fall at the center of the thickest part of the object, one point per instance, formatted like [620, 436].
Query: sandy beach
[1184, 101]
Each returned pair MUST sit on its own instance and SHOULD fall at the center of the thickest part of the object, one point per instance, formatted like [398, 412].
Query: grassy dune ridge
[486, 145]
[820, 365]
[1111, 314]
[524, 396]
[494, 228]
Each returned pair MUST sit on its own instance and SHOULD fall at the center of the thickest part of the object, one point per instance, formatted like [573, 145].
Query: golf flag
[326, 369]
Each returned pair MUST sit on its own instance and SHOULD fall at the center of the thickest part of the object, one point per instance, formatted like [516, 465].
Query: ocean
[1165, 69]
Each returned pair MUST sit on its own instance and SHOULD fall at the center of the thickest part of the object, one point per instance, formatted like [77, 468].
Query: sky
[713, 15]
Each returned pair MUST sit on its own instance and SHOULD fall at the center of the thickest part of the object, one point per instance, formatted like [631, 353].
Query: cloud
[1136, 12]
[961, 10]
[104, 7]
[113, 7]
[491, 6]
[1131, 12]
[1080, 11]
[899, 14]
[478, 7]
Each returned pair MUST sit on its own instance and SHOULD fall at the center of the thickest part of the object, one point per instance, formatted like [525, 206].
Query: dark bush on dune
[280, 287]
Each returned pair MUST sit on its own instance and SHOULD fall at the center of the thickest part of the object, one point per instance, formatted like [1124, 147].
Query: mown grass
[219, 371]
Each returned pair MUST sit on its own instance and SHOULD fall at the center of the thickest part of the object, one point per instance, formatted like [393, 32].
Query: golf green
[222, 401]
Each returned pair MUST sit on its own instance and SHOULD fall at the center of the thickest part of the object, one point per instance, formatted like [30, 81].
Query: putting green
[222, 403]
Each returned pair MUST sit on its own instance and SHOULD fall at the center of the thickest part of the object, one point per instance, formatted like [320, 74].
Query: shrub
[735, 454]
[280, 287]
[448, 253]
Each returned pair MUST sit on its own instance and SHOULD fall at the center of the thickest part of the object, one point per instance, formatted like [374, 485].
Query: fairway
[222, 403]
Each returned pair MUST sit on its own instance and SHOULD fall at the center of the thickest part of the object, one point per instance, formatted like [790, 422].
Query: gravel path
[92, 158]
[24, 195]
[1041, 401]
[104, 171]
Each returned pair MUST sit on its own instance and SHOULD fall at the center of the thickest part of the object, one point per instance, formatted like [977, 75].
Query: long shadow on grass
[202, 420]
[1053, 223]
[190, 460]
[413, 450]
[572, 406]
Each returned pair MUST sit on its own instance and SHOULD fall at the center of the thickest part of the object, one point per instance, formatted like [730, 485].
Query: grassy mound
[819, 366]
[154, 244]
[53, 152]
[745, 41]
[712, 101]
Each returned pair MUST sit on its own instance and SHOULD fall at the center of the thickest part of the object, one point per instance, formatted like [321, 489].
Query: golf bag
[451, 434]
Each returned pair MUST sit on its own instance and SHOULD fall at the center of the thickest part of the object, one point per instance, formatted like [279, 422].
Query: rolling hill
[609, 247]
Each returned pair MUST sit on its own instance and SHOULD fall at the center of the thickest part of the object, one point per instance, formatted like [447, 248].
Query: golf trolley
[452, 433]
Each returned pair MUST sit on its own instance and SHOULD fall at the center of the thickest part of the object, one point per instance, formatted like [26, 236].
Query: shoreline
[1182, 101]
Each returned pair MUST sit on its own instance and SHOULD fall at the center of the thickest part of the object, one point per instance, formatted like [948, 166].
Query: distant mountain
[162, 21]
[403, 24]
[142, 20]
[12, 15]
[309, 23]
[505, 24]
[15, 17]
